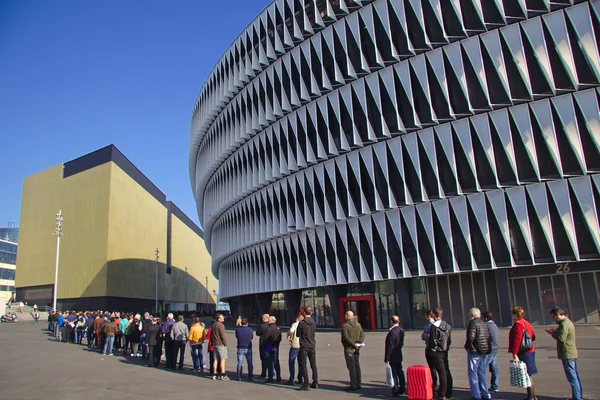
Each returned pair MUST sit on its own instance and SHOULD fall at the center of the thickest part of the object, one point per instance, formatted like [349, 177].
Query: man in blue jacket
[244, 335]
[493, 328]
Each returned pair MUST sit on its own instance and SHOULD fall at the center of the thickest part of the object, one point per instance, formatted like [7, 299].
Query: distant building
[10, 234]
[8, 261]
[114, 220]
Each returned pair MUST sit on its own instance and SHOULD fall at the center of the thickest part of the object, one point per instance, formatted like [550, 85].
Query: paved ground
[35, 366]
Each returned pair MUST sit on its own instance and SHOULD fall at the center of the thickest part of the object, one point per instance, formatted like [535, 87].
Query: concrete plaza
[35, 366]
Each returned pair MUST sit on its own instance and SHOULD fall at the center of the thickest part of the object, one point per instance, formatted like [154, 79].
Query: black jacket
[306, 333]
[272, 335]
[479, 340]
[394, 341]
[440, 338]
[260, 332]
[154, 335]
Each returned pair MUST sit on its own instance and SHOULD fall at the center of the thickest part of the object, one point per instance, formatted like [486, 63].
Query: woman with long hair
[515, 345]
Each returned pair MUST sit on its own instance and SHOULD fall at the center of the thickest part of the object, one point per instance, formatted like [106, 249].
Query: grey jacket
[180, 332]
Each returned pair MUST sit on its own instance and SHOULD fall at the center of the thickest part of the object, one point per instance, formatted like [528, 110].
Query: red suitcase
[419, 383]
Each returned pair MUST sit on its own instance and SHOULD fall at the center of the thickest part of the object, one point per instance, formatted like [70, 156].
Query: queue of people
[144, 337]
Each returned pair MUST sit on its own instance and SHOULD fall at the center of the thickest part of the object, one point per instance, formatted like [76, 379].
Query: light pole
[58, 233]
[156, 252]
[186, 294]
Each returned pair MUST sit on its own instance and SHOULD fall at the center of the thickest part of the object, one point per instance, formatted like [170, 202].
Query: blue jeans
[494, 371]
[241, 353]
[477, 366]
[572, 374]
[273, 364]
[196, 351]
[143, 346]
[108, 344]
[293, 359]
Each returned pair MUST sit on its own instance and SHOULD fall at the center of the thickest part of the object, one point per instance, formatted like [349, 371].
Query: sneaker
[303, 388]
[131, 355]
[111, 354]
[224, 378]
[314, 386]
[194, 371]
[215, 377]
[494, 390]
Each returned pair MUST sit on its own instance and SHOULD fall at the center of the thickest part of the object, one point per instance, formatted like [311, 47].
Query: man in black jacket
[394, 341]
[154, 339]
[438, 344]
[260, 331]
[271, 340]
[478, 346]
[306, 333]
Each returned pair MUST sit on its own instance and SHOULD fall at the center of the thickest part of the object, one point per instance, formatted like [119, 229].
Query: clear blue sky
[76, 76]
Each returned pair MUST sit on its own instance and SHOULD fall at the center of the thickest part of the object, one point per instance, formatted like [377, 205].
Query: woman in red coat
[514, 345]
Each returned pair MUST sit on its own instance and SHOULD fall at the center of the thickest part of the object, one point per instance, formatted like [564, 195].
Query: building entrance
[363, 308]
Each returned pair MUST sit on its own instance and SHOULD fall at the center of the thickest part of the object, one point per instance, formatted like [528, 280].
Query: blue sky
[76, 76]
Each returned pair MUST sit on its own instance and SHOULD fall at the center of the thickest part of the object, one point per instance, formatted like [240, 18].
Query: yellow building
[114, 220]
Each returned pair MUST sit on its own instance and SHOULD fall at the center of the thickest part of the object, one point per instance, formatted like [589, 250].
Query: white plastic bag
[518, 374]
[389, 377]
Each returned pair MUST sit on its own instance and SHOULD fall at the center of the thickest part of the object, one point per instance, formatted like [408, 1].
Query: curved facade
[342, 142]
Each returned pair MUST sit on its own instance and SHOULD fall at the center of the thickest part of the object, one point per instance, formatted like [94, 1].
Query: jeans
[311, 355]
[143, 346]
[274, 369]
[477, 365]
[247, 353]
[494, 371]
[51, 326]
[196, 350]
[78, 336]
[570, 367]
[353, 365]
[108, 344]
[293, 358]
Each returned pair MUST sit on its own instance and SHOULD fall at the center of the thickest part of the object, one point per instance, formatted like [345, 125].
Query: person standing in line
[272, 339]
[294, 350]
[306, 332]
[197, 336]
[394, 341]
[169, 344]
[566, 349]
[179, 335]
[515, 338]
[110, 330]
[238, 322]
[260, 331]
[478, 345]
[493, 328]
[244, 336]
[425, 337]
[219, 343]
[353, 337]
[438, 345]
[154, 340]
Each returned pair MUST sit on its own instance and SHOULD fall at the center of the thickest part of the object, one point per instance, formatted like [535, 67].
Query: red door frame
[370, 299]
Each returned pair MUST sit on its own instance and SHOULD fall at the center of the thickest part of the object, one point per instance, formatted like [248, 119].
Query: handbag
[518, 374]
[526, 342]
[389, 377]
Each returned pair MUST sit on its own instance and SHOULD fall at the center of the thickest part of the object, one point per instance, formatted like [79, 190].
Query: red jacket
[210, 345]
[516, 335]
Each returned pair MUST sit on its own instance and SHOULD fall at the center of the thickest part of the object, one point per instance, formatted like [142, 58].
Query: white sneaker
[131, 355]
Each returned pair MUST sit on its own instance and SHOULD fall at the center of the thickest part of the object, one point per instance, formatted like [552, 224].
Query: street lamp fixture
[58, 233]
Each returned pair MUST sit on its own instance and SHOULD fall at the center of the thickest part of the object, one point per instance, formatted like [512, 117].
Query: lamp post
[186, 293]
[156, 252]
[58, 233]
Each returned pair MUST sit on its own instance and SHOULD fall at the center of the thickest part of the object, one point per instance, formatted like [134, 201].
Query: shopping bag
[518, 374]
[389, 378]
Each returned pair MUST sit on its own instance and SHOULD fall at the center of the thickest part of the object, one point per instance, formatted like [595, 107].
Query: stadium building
[114, 220]
[389, 156]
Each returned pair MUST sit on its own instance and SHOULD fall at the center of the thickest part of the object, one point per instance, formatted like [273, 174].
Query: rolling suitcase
[419, 383]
